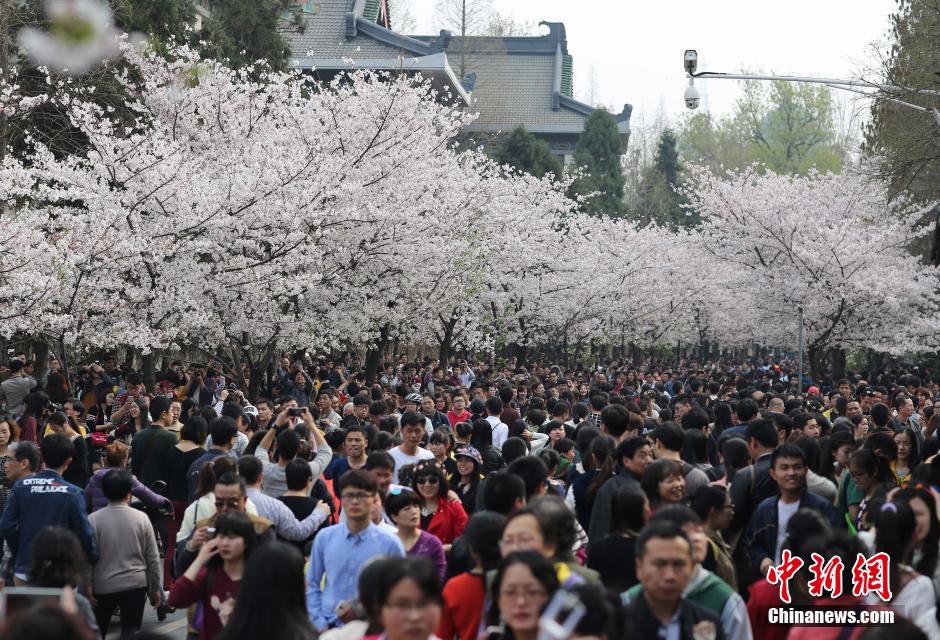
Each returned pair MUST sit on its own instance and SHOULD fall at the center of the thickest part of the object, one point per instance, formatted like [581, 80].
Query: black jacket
[645, 625]
[601, 521]
[751, 486]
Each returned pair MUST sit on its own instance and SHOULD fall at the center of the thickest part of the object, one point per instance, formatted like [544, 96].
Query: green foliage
[787, 127]
[599, 152]
[525, 152]
[47, 123]
[667, 158]
[659, 202]
[244, 31]
[906, 143]
[160, 20]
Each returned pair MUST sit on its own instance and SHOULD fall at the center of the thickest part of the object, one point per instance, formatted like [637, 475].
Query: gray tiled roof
[514, 89]
[325, 36]
[515, 77]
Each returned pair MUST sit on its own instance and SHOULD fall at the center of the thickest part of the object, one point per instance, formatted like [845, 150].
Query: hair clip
[889, 506]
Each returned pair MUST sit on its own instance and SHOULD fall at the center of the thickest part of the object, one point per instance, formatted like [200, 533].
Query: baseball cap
[469, 451]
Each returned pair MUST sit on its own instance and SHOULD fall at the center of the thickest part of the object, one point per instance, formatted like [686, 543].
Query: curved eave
[434, 66]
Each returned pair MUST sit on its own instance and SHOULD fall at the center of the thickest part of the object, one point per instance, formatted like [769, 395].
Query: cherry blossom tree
[834, 245]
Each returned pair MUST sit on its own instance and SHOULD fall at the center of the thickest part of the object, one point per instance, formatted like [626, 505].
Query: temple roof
[508, 80]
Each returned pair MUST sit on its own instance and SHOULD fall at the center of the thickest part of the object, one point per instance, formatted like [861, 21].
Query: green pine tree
[161, 20]
[659, 201]
[600, 148]
[523, 151]
[244, 31]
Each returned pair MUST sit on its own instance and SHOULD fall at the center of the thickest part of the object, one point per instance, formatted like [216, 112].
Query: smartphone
[16, 599]
[296, 412]
[210, 531]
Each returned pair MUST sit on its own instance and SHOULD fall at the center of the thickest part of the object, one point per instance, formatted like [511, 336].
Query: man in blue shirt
[339, 553]
[45, 499]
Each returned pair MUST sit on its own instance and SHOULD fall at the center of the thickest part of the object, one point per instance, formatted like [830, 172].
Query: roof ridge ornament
[556, 33]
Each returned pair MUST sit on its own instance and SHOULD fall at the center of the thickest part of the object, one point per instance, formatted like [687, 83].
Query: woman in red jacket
[444, 518]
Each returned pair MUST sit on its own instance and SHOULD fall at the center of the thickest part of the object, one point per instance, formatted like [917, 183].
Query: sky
[636, 48]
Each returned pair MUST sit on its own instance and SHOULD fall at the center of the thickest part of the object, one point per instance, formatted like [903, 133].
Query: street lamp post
[876, 91]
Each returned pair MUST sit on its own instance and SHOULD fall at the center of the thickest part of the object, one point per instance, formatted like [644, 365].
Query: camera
[692, 97]
[296, 412]
[690, 60]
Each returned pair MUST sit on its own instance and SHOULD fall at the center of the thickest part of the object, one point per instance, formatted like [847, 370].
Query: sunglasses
[428, 480]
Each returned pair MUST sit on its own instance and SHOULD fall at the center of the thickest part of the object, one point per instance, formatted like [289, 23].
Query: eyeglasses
[354, 497]
[226, 502]
[428, 480]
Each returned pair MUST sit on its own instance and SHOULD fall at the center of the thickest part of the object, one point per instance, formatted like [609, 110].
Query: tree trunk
[447, 341]
[40, 349]
[148, 368]
[374, 356]
[815, 362]
[837, 359]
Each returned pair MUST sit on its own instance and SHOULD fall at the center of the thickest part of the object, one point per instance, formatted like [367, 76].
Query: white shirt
[784, 513]
[401, 459]
[500, 431]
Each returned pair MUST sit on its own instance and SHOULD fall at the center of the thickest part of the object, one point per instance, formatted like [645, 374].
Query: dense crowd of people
[462, 500]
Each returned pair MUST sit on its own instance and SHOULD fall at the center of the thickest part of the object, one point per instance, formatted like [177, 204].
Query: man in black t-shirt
[297, 498]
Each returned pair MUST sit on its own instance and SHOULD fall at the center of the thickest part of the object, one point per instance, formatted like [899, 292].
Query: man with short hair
[494, 407]
[14, 389]
[231, 494]
[704, 589]
[458, 411]
[130, 567]
[361, 407]
[681, 406]
[429, 409]
[633, 455]
[767, 527]
[22, 460]
[42, 500]
[340, 551]
[753, 484]
[413, 405]
[409, 451]
[222, 430]
[288, 445]
[355, 458]
[615, 422]
[664, 564]
[285, 523]
[151, 445]
[325, 402]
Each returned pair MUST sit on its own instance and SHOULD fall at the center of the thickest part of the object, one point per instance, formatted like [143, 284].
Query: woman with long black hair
[482, 441]
[467, 482]
[271, 602]
[215, 577]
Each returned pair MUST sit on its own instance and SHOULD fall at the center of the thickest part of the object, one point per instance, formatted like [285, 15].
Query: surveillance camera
[691, 97]
[691, 61]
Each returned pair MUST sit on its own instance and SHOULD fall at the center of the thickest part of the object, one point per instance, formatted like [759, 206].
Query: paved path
[173, 628]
